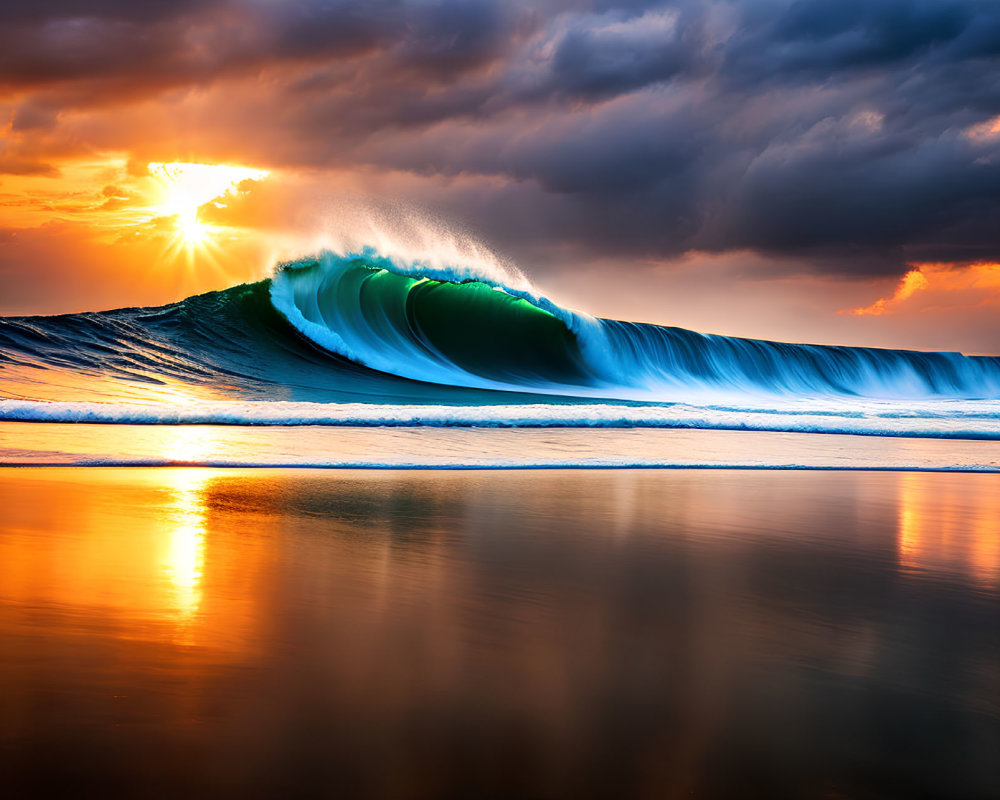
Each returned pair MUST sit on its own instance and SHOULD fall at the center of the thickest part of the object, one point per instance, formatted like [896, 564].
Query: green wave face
[486, 331]
[431, 329]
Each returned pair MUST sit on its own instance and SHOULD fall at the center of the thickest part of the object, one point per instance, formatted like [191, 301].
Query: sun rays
[183, 189]
[186, 187]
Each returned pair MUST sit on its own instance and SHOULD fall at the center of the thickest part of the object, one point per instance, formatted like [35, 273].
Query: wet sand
[172, 632]
[82, 444]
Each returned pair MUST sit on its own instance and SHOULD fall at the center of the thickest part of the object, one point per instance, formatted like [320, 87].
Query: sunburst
[192, 230]
[186, 187]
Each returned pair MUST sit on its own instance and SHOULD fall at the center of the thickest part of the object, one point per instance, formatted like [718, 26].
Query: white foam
[952, 419]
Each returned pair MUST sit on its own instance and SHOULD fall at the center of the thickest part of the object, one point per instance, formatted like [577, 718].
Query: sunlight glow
[185, 555]
[190, 444]
[191, 228]
[185, 188]
[933, 282]
[952, 531]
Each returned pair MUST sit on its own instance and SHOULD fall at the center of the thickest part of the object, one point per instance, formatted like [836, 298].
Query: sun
[191, 229]
[186, 187]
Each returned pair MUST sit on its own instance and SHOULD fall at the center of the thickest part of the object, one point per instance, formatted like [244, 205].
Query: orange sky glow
[940, 286]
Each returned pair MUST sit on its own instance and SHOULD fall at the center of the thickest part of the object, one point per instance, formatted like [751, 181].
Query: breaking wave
[447, 328]
[364, 330]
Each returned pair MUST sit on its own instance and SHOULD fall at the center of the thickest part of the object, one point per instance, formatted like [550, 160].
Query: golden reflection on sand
[184, 558]
[947, 527]
[136, 552]
[190, 444]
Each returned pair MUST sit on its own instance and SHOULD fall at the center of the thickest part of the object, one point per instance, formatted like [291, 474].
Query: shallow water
[49, 444]
[261, 633]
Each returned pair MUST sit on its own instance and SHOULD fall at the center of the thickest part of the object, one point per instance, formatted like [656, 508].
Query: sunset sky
[820, 170]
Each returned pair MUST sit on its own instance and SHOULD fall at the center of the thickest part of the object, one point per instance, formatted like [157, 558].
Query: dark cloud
[825, 39]
[838, 132]
[194, 42]
[45, 11]
[596, 56]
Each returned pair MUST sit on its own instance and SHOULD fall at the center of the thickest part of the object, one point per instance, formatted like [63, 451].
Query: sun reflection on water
[948, 529]
[142, 555]
[190, 444]
[184, 558]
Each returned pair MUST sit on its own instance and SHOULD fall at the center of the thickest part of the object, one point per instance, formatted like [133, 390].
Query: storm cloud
[848, 135]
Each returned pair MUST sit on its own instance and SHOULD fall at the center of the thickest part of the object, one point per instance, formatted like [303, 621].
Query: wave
[327, 336]
[447, 328]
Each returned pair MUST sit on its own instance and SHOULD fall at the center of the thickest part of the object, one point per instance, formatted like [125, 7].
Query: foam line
[968, 421]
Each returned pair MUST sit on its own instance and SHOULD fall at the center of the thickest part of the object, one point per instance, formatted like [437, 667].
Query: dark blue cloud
[609, 54]
[819, 40]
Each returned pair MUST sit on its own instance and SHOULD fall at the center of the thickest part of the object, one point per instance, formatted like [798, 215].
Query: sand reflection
[950, 526]
[271, 633]
[184, 558]
[165, 571]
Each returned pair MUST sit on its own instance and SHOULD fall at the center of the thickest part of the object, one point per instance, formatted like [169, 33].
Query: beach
[203, 632]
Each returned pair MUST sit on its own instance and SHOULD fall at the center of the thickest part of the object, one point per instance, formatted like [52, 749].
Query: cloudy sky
[823, 170]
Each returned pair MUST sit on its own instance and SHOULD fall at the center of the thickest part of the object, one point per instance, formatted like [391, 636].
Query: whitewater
[365, 340]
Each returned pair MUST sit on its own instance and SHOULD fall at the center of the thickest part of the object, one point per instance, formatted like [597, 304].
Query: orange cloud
[967, 285]
[912, 282]
[989, 129]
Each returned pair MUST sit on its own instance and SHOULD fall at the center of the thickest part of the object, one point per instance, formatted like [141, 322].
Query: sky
[816, 170]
